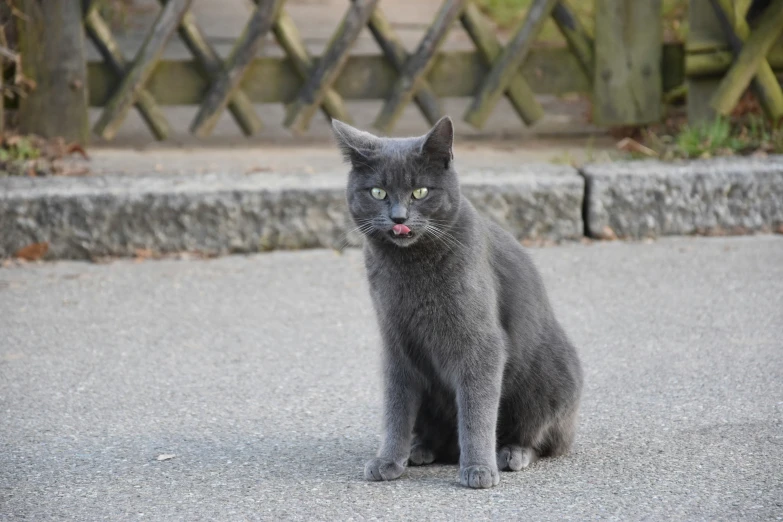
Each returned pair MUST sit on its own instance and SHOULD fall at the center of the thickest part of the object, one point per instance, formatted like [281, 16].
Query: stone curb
[640, 199]
[219, 213]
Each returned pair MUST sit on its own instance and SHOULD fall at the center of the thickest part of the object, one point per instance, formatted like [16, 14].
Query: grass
[738, 136]
[508, 13]
[32, 155]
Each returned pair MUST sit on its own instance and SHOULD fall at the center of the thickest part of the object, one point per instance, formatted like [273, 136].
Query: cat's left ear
[437, 144]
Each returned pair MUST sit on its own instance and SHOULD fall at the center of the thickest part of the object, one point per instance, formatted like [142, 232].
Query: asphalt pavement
[246, 388]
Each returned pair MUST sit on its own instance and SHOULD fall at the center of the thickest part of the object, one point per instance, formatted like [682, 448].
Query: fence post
[704, 35]
[51, 42]
[627, 84]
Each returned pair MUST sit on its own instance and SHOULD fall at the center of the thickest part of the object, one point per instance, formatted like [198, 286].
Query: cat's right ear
[357, 146]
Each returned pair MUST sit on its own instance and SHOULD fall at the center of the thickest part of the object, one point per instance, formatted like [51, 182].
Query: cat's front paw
[479, 477]
[380, 469]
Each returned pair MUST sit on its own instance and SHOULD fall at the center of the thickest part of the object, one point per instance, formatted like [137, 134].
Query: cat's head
[401, 190]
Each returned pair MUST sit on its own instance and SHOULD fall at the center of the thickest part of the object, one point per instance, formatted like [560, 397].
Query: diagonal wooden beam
[576, 36]
[100, 34]
[119, 104]
[239, 104]
[227, 83]
[750, 60]
[519, 92]
[395, 52]
[505, 67]
[289, 39]
[417, 66]
[311, 95]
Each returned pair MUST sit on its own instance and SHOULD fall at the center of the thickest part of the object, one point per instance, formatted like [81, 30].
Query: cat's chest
[420, 296]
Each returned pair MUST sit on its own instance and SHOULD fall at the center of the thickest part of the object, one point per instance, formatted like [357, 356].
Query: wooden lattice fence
[625, 65]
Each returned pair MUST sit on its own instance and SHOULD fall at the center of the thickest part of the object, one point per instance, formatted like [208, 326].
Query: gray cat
[476, 367]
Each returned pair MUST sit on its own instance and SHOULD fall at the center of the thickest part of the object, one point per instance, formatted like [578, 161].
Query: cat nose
[399, 214]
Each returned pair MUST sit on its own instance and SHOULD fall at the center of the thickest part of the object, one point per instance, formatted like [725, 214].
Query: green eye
[420, 193]
[378, 193]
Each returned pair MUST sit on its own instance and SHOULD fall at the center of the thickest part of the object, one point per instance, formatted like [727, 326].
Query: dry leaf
[143, 253]
[251, 170]
[608, 233]
[631, 145]
[165, 456]
[32, 252]
[75, 147]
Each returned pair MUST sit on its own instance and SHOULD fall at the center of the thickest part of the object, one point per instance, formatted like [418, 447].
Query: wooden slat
[418, 65]
[506, 65]
[750, 60]
[312, 93]
[239, 105]
[704, 28]
[246, 48]
[717, 63]
[146, 59]
[291, 42]
[579, 41]
[627, 86]
[101, 37]
[519, 92]
[456, 74]
[396, 54]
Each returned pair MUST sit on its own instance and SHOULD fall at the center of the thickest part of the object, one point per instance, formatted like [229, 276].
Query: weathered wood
[506, 65]
[519, 92]
[101, 37]
[227, 83]
[717, 63]
[239, 105]
[627, 85]
[395, 52]
[418, 64]
[51, 42]
[704, 27]
[146, 59]
[311, 95]
[750, 60]
[455, 74]
[579, 41]
[288, 36]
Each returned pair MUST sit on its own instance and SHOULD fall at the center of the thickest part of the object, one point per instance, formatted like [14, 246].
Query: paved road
[260, 374]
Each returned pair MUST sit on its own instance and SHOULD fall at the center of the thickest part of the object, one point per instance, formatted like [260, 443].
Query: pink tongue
[400, 229]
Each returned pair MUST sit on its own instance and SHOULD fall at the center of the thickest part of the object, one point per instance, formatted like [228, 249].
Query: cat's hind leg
[513, 457]
[559, 437]
[435, 433]
[422, 453]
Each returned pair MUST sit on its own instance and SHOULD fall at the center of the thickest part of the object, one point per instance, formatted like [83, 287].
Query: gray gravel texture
[260, 374]
[222, 212]
[637, 199]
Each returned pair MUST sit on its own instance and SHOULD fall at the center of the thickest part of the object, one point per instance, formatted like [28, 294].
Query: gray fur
[476, 367]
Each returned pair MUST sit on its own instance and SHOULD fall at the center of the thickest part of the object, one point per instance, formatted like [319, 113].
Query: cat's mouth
[400, 232]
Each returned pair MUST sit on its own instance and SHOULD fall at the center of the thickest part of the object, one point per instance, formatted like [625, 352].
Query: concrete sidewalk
[260, 375]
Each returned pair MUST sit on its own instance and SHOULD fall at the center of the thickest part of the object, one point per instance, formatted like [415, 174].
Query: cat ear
[357, 146]
[437, 144]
